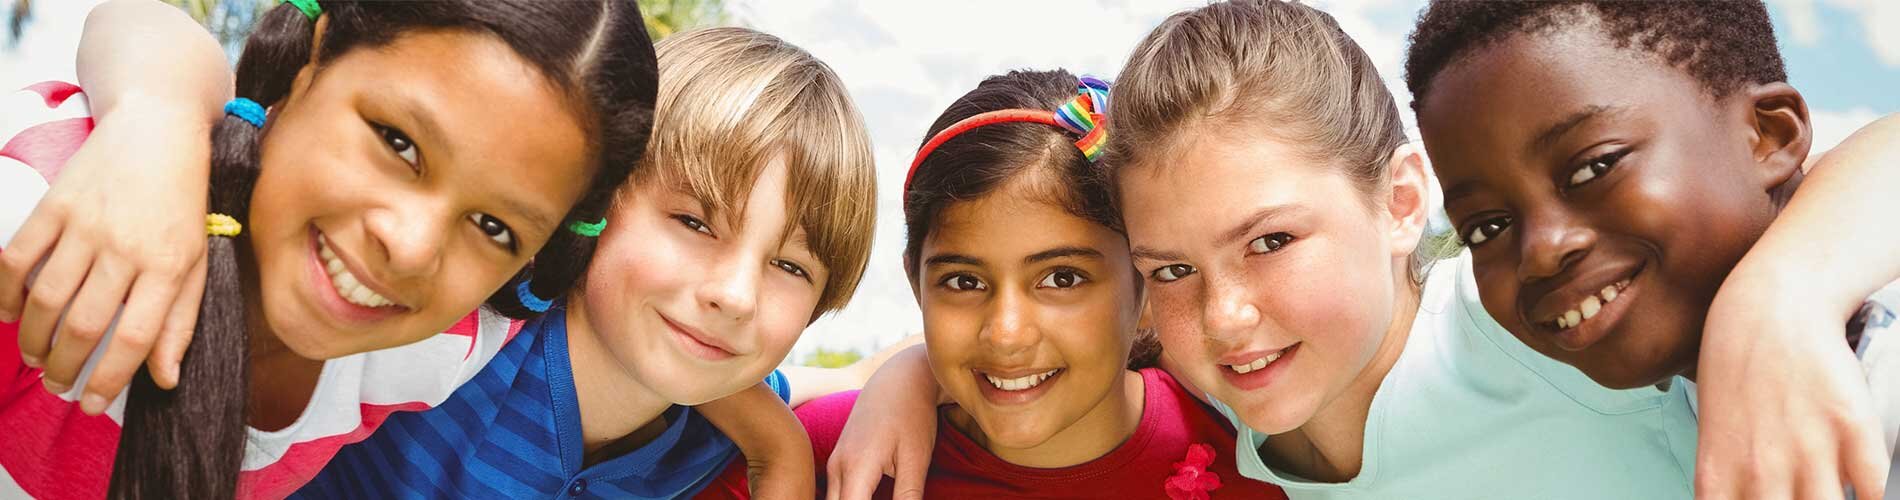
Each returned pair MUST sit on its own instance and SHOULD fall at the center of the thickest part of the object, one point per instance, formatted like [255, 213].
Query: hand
[123, 224]
[891, 432]
[1786, 411]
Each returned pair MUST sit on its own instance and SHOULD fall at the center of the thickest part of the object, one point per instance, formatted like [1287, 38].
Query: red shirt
[1172, 422]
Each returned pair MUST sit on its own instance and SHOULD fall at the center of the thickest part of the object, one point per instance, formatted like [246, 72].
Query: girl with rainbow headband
[1351, 365]
[389, 200]
[1031, 319]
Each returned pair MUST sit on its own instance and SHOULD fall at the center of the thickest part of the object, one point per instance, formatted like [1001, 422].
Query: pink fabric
[1172, 422]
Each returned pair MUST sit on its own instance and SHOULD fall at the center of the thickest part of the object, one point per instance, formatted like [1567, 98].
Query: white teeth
[1020, 383]
[346, 284]
[1256, 364]
[1590, 306]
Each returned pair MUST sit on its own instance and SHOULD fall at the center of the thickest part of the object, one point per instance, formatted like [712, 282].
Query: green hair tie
[588, 229]
[309, 7]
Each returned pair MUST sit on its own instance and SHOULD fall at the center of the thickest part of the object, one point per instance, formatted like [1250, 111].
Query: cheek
[1340, 284]
[1176, 314]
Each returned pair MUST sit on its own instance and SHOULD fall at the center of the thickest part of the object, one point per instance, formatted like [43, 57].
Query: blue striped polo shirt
[514, 431]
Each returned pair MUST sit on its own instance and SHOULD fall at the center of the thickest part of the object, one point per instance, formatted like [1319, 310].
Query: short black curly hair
[1724, 44]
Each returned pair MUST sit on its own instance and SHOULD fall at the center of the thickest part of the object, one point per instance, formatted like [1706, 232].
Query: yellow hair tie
[222, 225]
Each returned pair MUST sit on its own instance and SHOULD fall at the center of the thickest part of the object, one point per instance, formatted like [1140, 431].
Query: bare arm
[155, 82]
[777, 451]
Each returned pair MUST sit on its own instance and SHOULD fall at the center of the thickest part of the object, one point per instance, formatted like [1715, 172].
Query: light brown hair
[733, 99]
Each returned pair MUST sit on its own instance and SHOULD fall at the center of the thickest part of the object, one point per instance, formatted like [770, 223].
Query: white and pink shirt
[52, 450]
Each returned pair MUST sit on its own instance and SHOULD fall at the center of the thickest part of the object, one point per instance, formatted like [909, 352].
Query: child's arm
[891, 431]
[777, 452]
[1807, 423]
[125, 218]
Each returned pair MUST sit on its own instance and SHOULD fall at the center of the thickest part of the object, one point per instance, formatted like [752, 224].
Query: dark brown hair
[981, 160]
[189, 442]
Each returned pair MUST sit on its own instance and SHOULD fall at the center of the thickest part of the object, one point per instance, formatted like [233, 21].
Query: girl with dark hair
[368, 189]
[1031, 309]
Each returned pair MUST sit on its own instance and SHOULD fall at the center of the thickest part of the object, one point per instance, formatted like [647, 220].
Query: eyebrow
[1548, 137]
[1057, 253]
[1246, 226]
[1145, 253]
[952, 258]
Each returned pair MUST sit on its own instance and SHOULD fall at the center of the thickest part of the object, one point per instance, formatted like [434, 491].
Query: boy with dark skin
[1617, 174]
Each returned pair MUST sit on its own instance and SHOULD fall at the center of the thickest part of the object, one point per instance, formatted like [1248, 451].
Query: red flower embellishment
[1191, 479]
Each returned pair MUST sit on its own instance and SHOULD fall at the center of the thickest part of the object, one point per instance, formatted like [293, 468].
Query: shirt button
[579, 487]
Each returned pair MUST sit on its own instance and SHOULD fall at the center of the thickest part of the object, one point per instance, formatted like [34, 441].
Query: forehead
[1208, 181]
[1007, 225]
[1503, 101]
[474, 103]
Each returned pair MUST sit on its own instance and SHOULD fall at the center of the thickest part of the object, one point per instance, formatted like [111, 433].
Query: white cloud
[1877, 18]
[1830, 127]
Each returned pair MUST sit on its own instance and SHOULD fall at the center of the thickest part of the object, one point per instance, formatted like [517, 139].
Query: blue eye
[693, 223]
[793, 268]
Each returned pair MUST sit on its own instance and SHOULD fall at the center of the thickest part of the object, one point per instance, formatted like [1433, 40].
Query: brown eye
[1172, 272]
[399, 143]
[496, 230]
[1270, 243]
[963, 282]
[1484, 230]
[1062, 278]
[1594, 168]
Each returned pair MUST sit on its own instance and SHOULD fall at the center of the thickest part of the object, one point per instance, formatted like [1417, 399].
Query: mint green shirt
[1469, 412]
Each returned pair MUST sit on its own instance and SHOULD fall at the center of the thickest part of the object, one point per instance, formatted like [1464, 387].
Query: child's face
[1258, 259]
[692, 306]
[1028, 313]
[398, 190]
[1604, 194]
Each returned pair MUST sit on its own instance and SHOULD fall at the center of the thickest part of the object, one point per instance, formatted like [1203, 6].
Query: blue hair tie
[247, 110]
[529, 300]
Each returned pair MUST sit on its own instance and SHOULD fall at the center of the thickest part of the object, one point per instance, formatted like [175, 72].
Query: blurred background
[904, 61]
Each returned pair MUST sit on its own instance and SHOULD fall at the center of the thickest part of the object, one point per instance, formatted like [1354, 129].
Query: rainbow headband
[1081, 115]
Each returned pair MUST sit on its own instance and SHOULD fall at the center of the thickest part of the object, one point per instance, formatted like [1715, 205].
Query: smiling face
[696, 306]
[1029, 313]
[1604, 194]
[396, 192]
[1272, 288]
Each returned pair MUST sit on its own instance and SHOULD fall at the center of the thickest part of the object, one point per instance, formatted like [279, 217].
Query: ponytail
[189, 442]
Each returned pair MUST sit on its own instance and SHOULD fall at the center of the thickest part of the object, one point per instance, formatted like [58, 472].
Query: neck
[618, 414]
[1331, 446]
[1098, 432]
[281, 382]
[1778, 196]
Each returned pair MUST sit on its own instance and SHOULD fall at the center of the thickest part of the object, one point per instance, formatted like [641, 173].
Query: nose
[1230, 313]
[1549, 242]
[1011, 327]
[410, 237]
[733, 290]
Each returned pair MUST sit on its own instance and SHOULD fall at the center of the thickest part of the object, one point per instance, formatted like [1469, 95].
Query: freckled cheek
[1176, 313]
[1329, 304]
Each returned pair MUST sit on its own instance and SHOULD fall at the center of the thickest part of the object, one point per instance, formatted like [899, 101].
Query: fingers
[92, 314]
[1865, 463]
[910, 472]
[29, 246]
[855, 481]
[53, 287]
[169, 351]
[131, 342]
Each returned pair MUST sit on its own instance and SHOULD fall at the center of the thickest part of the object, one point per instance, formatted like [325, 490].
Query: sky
[904, 61]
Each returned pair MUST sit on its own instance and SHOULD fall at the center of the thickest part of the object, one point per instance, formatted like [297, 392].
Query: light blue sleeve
[779, 384]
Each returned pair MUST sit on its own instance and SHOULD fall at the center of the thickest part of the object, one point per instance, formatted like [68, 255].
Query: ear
[1410, 198]
[1779, 131]
[308, 72]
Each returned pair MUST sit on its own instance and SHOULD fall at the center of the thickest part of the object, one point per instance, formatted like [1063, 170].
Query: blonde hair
[1267, 67]
[731, 100]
